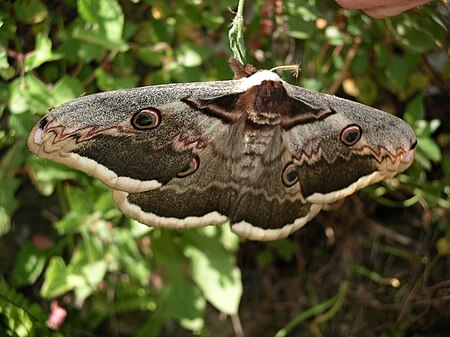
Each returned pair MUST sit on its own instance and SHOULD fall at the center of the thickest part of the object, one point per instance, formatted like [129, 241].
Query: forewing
[95, 133]
[330, 166]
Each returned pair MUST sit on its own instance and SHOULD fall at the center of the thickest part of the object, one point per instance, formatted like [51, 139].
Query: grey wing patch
[199, 199]
[94, 133]
[330, 166]
[270, 213]
[226, 187]
[251, 231]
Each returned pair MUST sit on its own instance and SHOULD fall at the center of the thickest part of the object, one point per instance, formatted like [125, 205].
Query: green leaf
[334, 36]
[299, 28]
[55, 282]
[47, 174]
[150, 57]
[360, 63]
[70, 223]
[446, 166]
[312, 84]
[42, 53]
[164, 29]
[303, 11]
[32, 95]
[4, 94]
[104, 203]
[212, 21]
[229, 240]
[93, 273]
[425, 128]
[214, 270]
[65, 89]
[432, 197]
[19, 316]
[382, 54]
[11, 159]
[415, 110]
[422, 160]
[29, 265]
[429, 148]
[180, 296]
[106, 21]
[3, 58]
[397, 71]
[107, 81]
[20, 125]
[127, 253]
[30, 11]
[415, 38]
[138, 229]
[128, 298]
[28, 94]
[191, 55]
[87, 267]
[5, 221]
[75, 50]
[82, 200]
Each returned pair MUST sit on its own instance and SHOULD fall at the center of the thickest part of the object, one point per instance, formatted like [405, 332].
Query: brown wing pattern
[258, 152]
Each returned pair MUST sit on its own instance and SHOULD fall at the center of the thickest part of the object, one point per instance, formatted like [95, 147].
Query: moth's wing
[328, 168]
[258, 206]
[94, 133]
[200, 199]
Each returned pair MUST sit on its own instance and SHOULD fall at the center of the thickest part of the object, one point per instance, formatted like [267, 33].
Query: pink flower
[42, 242]
[56, 317]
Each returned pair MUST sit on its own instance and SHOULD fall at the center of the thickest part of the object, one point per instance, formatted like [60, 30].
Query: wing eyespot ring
[43, 123]
[351, 134]
[290, 175]
[146, 119]
[190, 168]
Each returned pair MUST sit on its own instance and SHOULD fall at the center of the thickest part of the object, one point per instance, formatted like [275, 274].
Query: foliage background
[376, 265]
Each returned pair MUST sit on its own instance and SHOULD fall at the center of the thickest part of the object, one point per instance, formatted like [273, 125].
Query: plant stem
[236, 34]
[334, 303]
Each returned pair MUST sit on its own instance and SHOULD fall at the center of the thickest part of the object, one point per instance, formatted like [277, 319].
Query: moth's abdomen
[257, 150]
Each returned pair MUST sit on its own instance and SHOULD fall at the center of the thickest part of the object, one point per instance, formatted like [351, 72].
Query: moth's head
[241, 70]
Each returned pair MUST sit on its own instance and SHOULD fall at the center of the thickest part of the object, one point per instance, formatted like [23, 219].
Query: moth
[256, 151]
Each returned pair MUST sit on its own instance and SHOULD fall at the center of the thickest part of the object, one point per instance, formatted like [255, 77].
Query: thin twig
[237, 326]
[348, 61]
[343, 73]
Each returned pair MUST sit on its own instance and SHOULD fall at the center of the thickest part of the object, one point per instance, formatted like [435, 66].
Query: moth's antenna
[294, 68]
